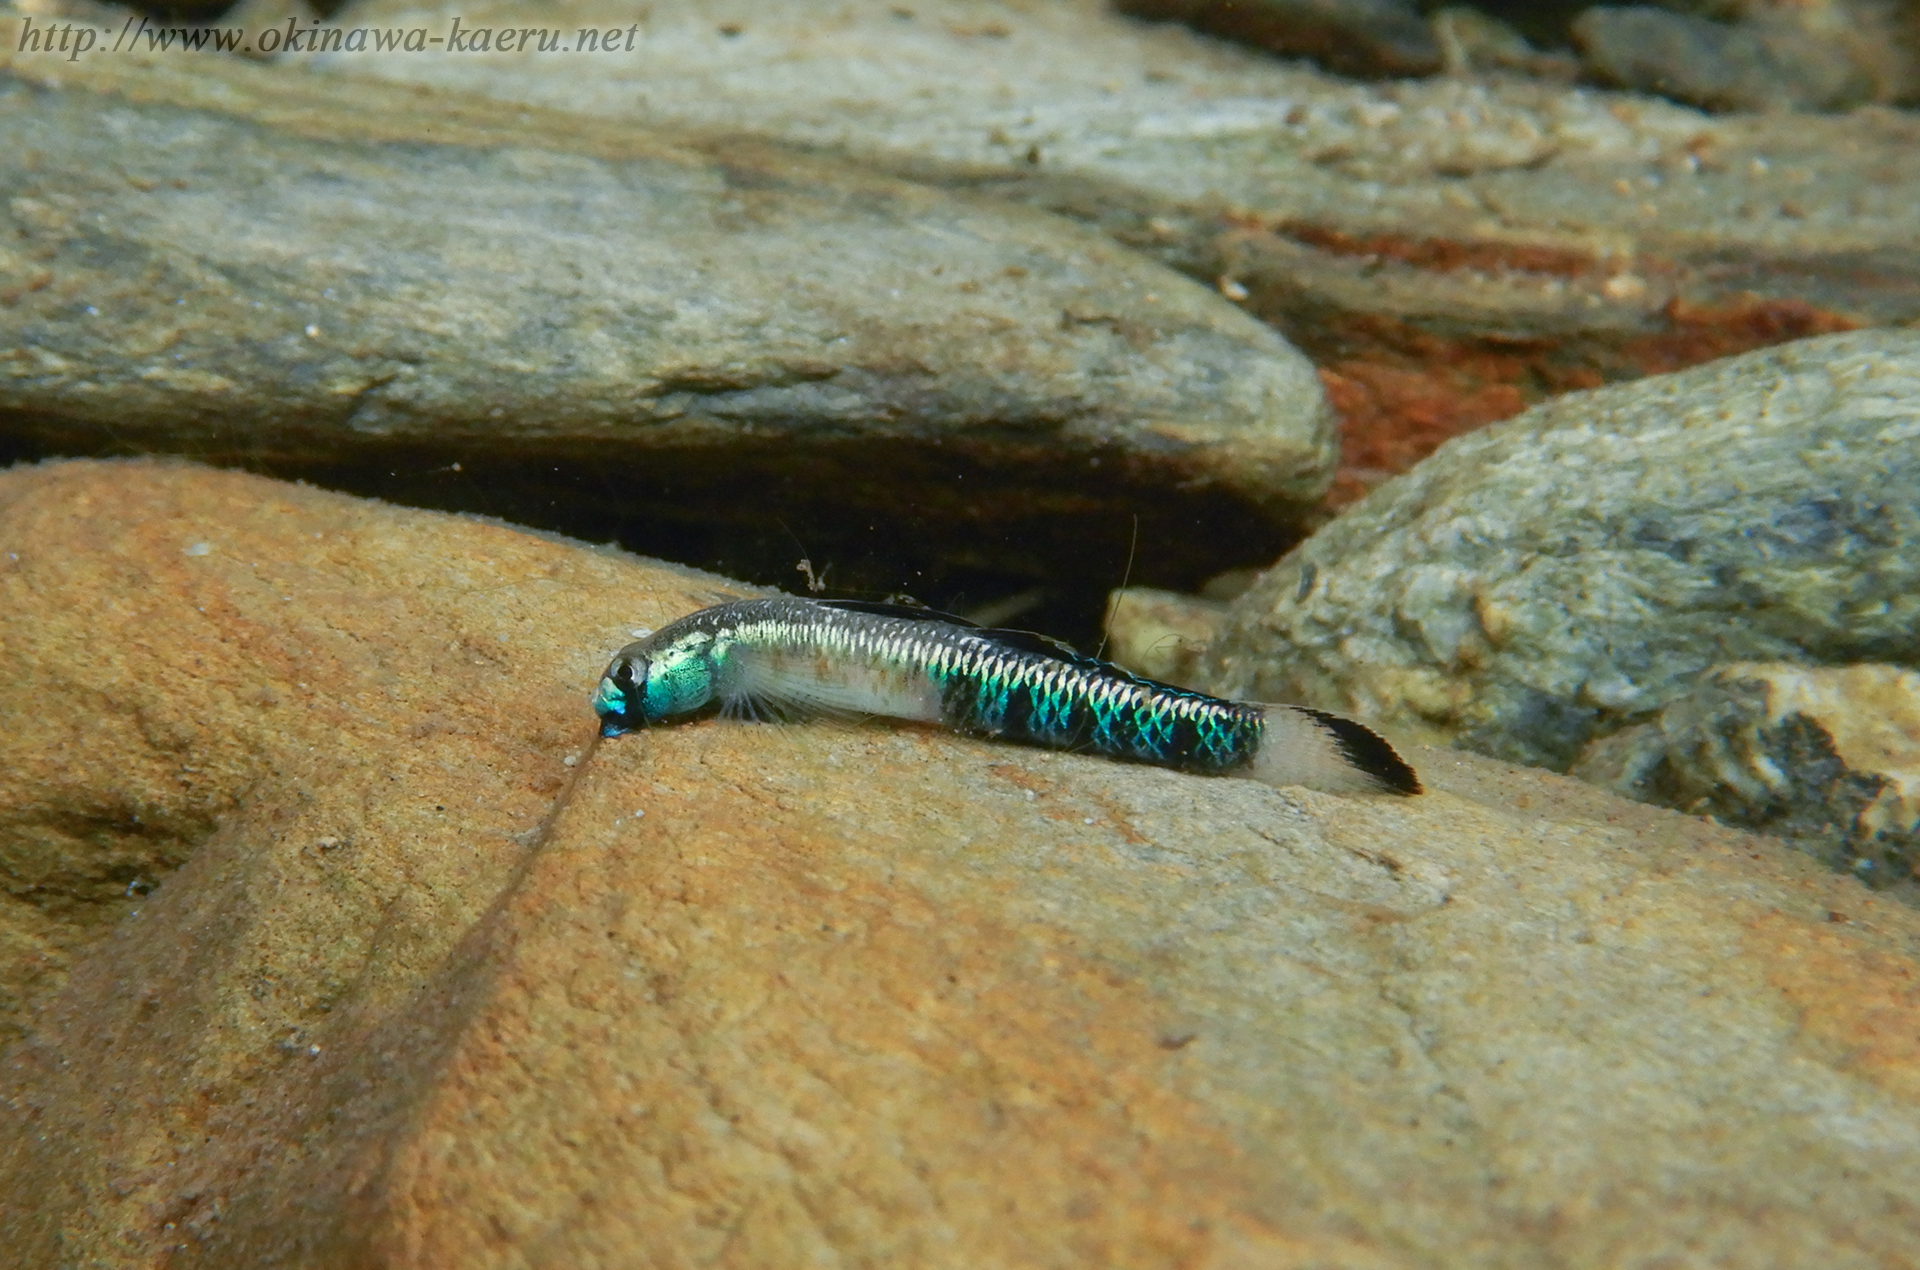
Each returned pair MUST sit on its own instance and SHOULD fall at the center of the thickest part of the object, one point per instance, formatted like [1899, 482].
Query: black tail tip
[1369, 752]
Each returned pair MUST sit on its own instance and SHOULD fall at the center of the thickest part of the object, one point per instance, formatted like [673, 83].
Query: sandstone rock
[605, 327]
[852, 995]
[1564, 574]
[1475, 244]
[1827, 758]
[215, 636]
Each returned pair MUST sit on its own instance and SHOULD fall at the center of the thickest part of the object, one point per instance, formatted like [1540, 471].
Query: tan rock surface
[853, 995]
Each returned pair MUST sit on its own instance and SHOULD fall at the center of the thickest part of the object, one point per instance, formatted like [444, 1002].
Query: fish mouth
[616, 719]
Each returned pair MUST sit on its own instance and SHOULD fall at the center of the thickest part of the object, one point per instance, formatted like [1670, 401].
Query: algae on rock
[1828, 758]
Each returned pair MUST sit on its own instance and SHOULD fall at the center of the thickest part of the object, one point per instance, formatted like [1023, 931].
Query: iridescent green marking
[1059, 699]
[991, 701]
[789, 655]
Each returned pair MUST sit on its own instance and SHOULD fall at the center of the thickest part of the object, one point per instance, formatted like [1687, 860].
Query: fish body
[790, 657]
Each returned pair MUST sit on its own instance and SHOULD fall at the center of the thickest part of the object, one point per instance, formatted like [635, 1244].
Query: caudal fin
[1302, 746]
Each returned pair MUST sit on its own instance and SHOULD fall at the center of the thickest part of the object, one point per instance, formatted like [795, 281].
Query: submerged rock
[1354, 37]
[1488, 241]
[439, 985]
[1161, 634]
[1565, 574]
[1474, 41]
[1827, 758]
[1798, 56]
[602, 326]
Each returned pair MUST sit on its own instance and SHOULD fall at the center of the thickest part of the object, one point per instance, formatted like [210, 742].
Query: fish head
[649, 684]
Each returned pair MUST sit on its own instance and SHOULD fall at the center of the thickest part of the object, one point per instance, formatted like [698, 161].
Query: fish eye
[621, 698]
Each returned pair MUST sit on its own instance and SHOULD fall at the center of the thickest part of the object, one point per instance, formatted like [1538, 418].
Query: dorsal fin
[906, 612]
[1048, 646]
[1020, 641]
[1045, 645]
[1023, 641]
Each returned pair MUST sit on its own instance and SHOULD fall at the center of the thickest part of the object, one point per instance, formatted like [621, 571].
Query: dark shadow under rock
[721, 340]
[1354, 37]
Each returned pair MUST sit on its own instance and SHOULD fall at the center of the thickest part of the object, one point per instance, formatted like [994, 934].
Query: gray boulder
[1565, 574]
[1545, 235]
[346, 280]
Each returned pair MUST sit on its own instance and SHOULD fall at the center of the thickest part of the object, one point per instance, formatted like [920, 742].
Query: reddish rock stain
[1401, 390]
